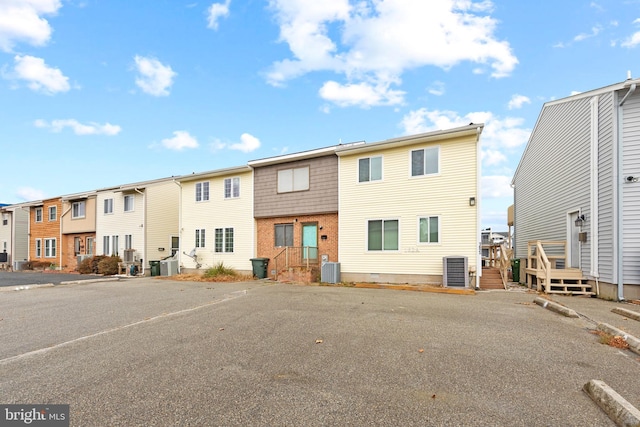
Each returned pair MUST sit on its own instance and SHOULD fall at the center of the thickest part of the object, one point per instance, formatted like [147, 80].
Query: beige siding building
[216, 220]
[407, 203]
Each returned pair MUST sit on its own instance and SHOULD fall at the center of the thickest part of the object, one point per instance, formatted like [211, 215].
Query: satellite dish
[192, 253]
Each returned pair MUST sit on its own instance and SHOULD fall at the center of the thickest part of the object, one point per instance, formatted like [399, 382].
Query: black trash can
[515, 269]
[154, 267]
[260, 267]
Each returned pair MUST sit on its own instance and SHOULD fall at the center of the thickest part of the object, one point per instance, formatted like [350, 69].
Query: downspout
[144, 228]
[179, 224]
[478, 208]
[595, 202]
[61, 246]
[619, 207]
[28, 230]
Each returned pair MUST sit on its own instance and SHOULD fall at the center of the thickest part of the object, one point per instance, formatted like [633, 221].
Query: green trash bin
[260, 267]
[154, 267]
[515, 269]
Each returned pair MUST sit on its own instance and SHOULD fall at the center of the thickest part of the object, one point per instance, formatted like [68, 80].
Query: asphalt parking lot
[24, 278]
[149, 352]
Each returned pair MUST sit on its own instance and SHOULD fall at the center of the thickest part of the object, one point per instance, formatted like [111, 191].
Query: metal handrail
[296, 256]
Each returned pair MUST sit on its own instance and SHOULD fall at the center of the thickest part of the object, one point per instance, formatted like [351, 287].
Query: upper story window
[5, 219]
[78, 210]
[370, 169]
[425, 161]
[202, 191]
[53, 213]
[290, 180]
[231, 188]
[38, 215]
[128, 203]
[108, 206]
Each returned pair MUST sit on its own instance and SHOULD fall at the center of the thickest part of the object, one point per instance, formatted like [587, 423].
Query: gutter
[61, 246]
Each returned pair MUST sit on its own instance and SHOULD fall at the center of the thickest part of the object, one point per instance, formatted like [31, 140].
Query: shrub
[90, 265]
[220, 270]
[109, 265]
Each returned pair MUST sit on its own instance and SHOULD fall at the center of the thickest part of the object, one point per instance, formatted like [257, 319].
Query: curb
[77, 282]
[634, 343]
[554, 306]
[26, 287]
[415, 288]
[615, 406]
[626, 313]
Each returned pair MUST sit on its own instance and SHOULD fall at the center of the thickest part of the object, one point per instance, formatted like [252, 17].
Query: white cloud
[154, 77]
[22, 21]
[38, 75]
[247, 144]
[215, 12]
[632, 41]
[92, 128]
[181, 140]
[361, 94]
[29, 194]
[437, 88]
[496, 186]
[493, 157]
[376, 42]
[517, 101]
[583, 36]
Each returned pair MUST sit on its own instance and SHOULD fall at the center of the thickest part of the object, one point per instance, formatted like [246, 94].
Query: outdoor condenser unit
[455, 271]
[330, 272]
[129, 255]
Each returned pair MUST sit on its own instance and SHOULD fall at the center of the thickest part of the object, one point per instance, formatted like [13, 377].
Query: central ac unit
[330, 272]
[129, 255]
[455, 271]
[81, 258]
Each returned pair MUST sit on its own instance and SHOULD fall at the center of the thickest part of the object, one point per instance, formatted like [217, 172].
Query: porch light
[580, 221]
[472, 201]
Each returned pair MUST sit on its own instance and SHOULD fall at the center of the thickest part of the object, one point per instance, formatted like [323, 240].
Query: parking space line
[224, 298]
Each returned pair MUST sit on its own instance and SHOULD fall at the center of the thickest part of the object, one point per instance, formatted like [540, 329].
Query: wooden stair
[569, 281]
[491, 278]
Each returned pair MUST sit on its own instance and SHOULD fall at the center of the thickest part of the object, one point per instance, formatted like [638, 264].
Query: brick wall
[265, 228]
[45, 229]
[69, 257]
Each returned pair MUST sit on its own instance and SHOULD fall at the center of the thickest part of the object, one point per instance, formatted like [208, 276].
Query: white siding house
[14, 233]
[216, 220]
[583, 160]
[407, 203]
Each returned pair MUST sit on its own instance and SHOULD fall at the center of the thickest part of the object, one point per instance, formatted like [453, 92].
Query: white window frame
[115, 245]
[131, 204]
[128, 241]
[105, 245]
[294, 179]
[38, 248]
[52, 213]
[232, 188]
[89, 246]
[38, 215]
[224, 240]
[202, 191]
[201, 240]
[369, 179]
[108, 206]
[382, 247]
[50, 247]
[428, 218]
[424, 163]
[75, 210]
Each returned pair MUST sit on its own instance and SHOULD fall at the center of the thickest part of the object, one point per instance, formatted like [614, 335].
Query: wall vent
[455, 271]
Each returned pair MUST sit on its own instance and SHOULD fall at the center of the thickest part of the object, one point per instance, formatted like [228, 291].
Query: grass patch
[611, 340]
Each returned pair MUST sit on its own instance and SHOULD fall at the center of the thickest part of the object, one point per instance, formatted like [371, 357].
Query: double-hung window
[429, 229]
[296, 179]
[105, 245]
[200, 238]
[382, 235]
[284, 235]
[77, 210]
[38, 215]
[114, 245]
[128, 241]
[224, 239]
[49, 248]
[53, 213]
[38, 248]
[128, 203]
[370, 169]
[108, 206]
[425, 161]
[231, 188]
[202, 191]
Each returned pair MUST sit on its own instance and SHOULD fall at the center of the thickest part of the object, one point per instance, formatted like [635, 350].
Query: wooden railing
[539, 260]
[504, 263]
[296, 256]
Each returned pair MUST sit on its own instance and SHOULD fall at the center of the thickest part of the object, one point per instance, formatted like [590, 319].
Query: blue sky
[95, 93]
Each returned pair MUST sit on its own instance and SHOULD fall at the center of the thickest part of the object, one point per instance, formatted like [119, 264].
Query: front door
[574, 243]
[310, 241]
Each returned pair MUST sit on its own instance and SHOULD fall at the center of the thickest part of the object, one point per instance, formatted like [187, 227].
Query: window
[49, 248]
[76, 245]
[114, 245]
[53, 213]
[224, 239]
[89, 250]
[383, 235]
[105, 245]
[175, 245]
[38, 248]
[77, 210]
[5, 219]
[108, 206]
[128, 241]
[231, 188]
[429, 229]
[202, 191]
[200, 241]
[38, 215]
[370, 169]
[128, 203]
[293, 180]
[284, 234]
[425, 161]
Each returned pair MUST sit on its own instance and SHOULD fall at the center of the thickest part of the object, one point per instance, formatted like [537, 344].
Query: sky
[97, 93]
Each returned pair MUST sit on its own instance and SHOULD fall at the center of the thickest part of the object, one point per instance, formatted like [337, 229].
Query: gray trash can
[260, 267]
